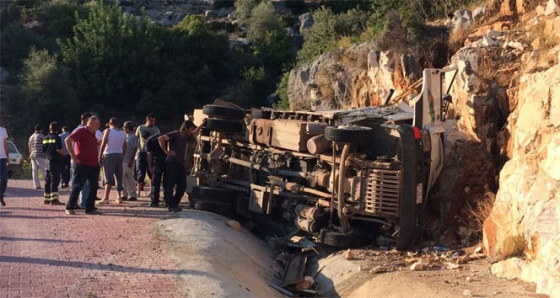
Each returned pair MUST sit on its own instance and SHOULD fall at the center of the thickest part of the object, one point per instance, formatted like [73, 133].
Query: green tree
[45, 86]
[263, 19]
[58, 16]
[114, 57]
[281, 93]
[253, 90]
[9, 14]
[320, 38]
[243, 11]
[16, 42]
[193, 25]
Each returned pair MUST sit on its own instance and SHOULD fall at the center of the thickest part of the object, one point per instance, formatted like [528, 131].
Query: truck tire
[348, 134]
[221, 112]
[214, 207]
[212, 193]
[224, 125]
[352, 239]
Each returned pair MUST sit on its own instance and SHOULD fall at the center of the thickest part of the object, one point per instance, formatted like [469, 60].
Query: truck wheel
[348, 134]
[224, 125]
[221, 112]
[352, 239]
[212, 193]
[214, 207]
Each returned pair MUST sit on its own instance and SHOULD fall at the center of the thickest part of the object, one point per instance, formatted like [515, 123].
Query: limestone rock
[551, 8]
[521, 6]
[355, 76]
[539, 10]
[418, 266]
[510, 268]
[530, 183]
[552, 28]
[479, 13]
[349, 255]
[508, 8]
[462, 19]
[305, 21]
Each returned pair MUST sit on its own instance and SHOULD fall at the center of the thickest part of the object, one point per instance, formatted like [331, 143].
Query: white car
[15, 158]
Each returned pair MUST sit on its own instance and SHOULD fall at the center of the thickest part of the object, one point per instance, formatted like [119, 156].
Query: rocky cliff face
[358, 76]
[527, 206]
[503, 139]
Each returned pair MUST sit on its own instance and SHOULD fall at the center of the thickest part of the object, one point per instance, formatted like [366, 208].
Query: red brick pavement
[46, 253]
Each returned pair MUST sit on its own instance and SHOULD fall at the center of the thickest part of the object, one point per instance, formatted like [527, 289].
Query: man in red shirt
[85, 154]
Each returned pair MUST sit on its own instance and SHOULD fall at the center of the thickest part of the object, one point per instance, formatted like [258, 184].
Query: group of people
[123, 156]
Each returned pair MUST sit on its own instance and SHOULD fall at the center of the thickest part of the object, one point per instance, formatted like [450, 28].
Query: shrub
[45, 86]
[320, 38]
[427, 43]
[58, 17]
[281, 93]
[263, 20]
[243, 11]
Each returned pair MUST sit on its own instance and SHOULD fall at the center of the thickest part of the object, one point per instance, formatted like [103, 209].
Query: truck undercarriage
[343, 175]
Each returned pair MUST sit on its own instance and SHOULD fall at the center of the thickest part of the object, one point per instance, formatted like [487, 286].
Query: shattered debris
[234, 225]
[349, 255]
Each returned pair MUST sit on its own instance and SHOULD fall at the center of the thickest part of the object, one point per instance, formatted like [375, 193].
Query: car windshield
[12, 148]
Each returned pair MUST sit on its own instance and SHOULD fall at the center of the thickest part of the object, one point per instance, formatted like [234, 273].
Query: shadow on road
[35, 239]
[97, 266]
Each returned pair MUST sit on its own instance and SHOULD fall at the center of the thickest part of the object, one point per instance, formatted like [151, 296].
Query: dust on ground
[218, 260]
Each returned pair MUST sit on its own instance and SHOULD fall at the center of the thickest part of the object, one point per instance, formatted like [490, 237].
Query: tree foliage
[320, 38]
[112, 55]
[15, 44]
[58, 17]
[44, 86]
[263, 19]
[243, 11]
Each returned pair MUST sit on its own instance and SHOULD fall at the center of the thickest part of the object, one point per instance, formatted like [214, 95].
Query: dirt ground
[353, 278]
[223, 261]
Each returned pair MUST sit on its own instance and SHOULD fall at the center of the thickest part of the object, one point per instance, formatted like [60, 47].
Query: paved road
[46, 253]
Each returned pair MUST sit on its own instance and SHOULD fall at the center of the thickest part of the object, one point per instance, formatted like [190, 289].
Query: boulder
[508, 8]
[527, 202]
[510, 268]
[305, 21]
[462, 19]
[479, 13]
[551, 8]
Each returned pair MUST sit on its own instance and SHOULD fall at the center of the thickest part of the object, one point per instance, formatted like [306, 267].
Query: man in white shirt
[4, 153]
[38, 157]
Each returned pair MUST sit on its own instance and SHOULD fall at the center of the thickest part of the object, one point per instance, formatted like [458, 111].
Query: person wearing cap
[143, 133]
[174, 144]
[52, 146]
[129, 185]
[37, 156]
[111, 152]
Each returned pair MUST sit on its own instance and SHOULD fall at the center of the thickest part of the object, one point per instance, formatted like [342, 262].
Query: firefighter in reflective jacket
[52, 147]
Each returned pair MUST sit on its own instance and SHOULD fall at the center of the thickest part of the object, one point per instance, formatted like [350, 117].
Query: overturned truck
[342, 175]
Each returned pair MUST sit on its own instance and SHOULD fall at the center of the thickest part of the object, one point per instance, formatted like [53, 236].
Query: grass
[157, 233]
[25, 172]
[482, 208]
[513, 246]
